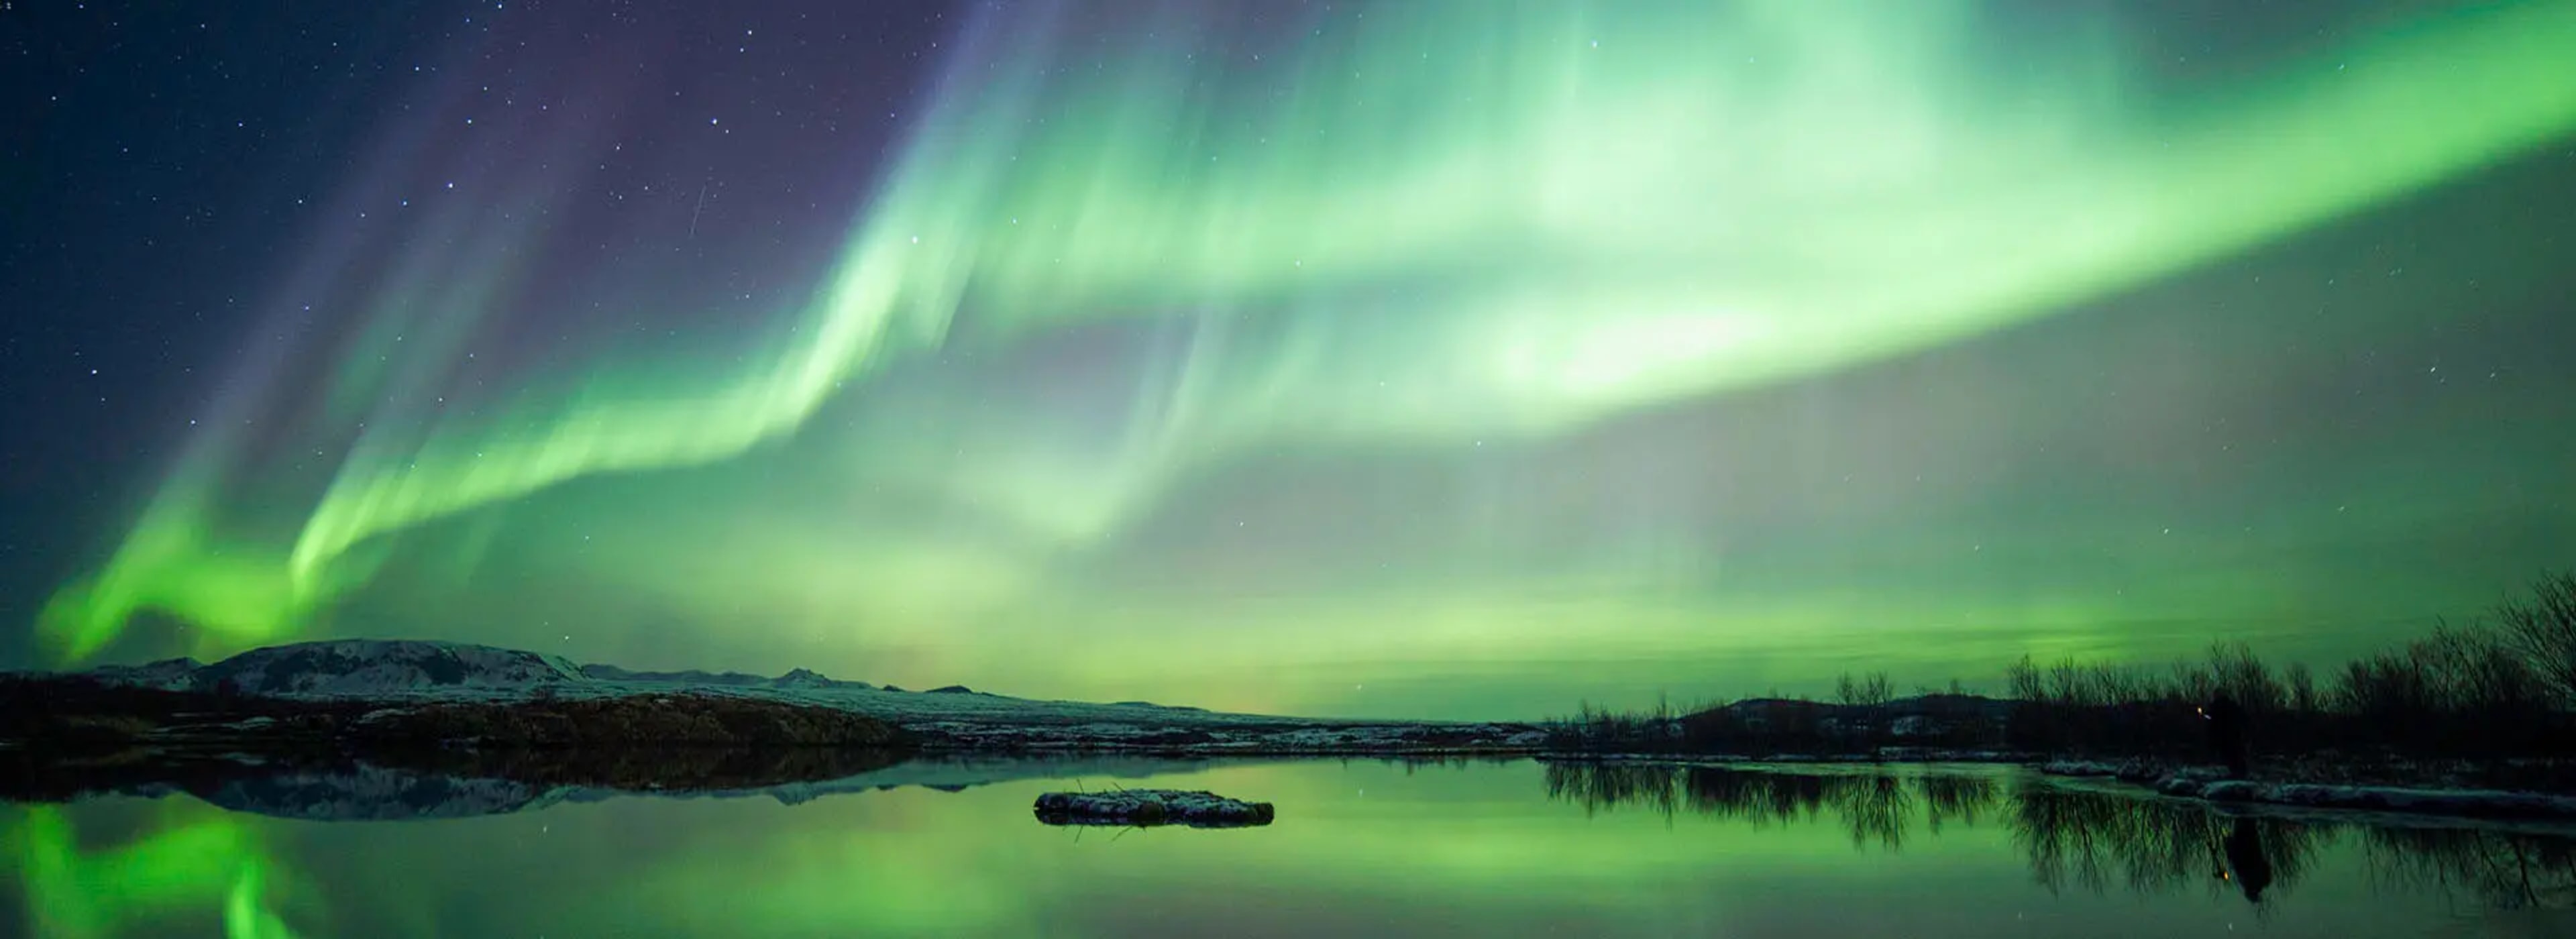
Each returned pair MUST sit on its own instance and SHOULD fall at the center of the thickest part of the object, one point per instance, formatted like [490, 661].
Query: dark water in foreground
[1360, 848]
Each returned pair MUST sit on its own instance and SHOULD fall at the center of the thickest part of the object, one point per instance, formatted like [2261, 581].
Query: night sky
[1413, 359]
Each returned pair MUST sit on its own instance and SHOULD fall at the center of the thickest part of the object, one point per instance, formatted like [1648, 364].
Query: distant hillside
[401, 676]
[353, 668]
[796, 678]
[1793, 725]
[366, 667]
[1938, 706]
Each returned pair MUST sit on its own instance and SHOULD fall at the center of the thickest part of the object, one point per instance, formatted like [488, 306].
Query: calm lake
[1359, 848]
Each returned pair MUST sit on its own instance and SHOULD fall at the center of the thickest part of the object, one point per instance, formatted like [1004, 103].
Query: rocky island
[1146, 808]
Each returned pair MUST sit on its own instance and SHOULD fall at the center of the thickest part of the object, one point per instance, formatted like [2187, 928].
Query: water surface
[1359, 848]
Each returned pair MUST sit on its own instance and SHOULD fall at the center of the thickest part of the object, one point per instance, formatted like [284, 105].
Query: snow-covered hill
[405, 672]
[364, 667]
[167, 674]
[414, 670]
[371, 793]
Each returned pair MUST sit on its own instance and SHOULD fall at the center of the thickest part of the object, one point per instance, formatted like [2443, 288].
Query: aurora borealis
[1410, 359]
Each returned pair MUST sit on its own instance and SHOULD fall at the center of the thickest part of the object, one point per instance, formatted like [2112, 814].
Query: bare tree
[1869, 690]
[2238, 673]
[2022, 680]
[2193, 683]
[2303, 688]
[2543, 629]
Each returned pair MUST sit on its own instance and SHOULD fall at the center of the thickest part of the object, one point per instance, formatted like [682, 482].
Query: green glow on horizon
[1462, 224]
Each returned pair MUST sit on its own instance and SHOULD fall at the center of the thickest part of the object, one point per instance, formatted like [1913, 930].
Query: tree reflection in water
[2507, 869]
[1965, 799]
[2089, 839]
[1877, 808]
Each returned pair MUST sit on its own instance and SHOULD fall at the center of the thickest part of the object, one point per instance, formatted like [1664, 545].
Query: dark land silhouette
[2488, 703]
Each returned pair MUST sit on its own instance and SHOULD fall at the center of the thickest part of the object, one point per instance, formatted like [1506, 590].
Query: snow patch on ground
[2470, 803]
[1886, 757]
[2209, 783]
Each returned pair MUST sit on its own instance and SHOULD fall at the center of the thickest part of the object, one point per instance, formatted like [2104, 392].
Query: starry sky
[1448, 359]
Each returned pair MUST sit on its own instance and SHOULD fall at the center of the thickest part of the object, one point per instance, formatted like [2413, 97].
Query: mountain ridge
[360, 667]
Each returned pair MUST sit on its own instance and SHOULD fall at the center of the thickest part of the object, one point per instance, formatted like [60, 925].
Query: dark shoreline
[66, 736]
[222, 776]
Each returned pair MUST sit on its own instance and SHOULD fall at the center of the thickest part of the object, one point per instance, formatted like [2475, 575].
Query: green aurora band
[1448, 225]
